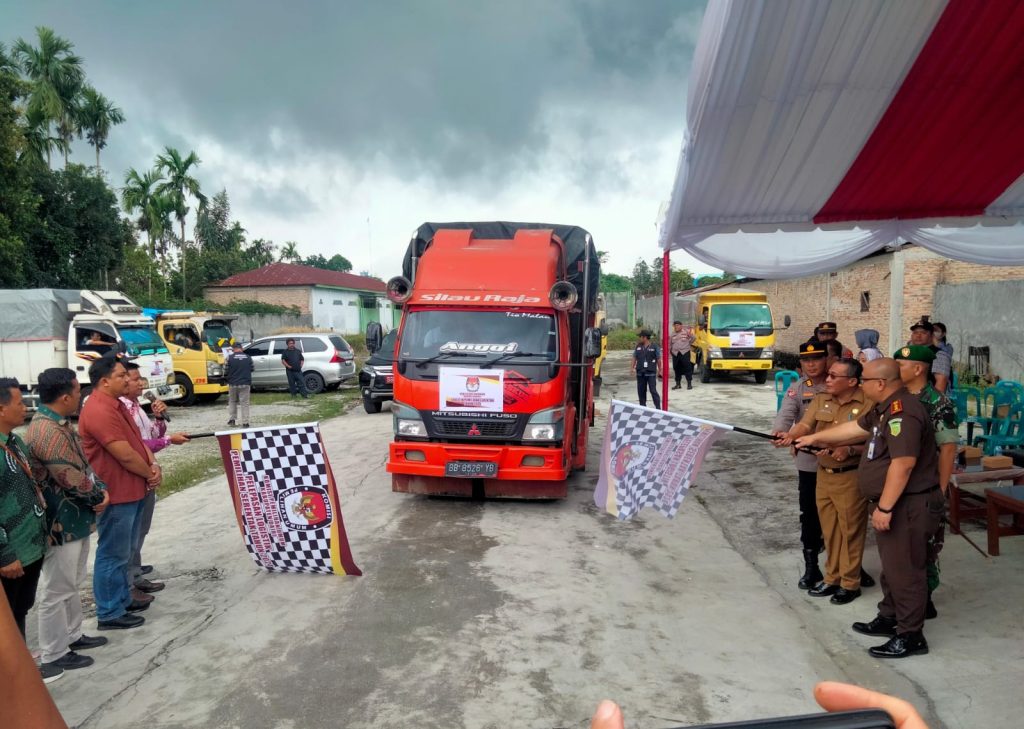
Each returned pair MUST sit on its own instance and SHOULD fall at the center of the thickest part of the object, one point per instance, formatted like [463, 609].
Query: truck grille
[741, 352]
[462, 428]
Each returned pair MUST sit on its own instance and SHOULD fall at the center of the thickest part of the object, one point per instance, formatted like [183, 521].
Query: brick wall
[277, 295]
[837, 296]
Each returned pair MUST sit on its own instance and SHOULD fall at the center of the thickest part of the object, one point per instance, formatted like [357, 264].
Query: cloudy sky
[343, 125]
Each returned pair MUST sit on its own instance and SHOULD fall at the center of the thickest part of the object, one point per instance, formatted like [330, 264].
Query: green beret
[915, 353]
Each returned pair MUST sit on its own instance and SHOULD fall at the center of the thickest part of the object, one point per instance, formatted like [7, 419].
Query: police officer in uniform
[794, 405]
[827, 331]
[842, 510]
[922, 333]
[647, 368]
[898, 475]
[915, 363]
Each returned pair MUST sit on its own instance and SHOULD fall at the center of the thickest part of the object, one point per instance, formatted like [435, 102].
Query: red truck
[494, 359]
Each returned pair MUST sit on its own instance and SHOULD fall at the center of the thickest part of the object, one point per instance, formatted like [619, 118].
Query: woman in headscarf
[867, 340]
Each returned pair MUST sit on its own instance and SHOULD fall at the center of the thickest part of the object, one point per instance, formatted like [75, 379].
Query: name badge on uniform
[871, 445]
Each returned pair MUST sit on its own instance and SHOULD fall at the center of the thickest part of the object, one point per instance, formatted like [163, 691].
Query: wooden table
[964, 504]
[1000, 501]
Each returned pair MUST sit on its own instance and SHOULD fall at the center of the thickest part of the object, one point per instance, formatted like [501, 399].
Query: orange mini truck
[494, 359]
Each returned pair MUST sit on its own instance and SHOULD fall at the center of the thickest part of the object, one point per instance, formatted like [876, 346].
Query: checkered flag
[286, 500]
[650, 458]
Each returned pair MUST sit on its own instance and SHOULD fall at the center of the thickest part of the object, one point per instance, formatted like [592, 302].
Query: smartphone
[860, 719]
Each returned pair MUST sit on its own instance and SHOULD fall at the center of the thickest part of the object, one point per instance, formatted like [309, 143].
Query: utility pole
[369, 242]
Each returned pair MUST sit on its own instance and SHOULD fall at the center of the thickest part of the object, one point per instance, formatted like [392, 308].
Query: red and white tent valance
[862, 123]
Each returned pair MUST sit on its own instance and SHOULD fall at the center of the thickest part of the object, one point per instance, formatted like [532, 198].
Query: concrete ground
[512, 614]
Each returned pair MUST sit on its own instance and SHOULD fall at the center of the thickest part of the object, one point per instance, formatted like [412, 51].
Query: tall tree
[139, 195]
[179, 185]
[96, 116]
[39, 139]
[290, 252]
[56, 75]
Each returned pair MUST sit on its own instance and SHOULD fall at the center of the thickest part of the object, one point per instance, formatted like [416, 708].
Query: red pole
[665, 280]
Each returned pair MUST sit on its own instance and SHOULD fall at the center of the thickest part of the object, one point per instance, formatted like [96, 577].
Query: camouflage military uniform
[947, 430]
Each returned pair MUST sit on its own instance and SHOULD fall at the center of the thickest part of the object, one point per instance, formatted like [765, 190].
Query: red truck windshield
[469, 338]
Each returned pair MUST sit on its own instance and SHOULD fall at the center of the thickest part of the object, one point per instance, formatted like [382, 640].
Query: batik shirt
[70, 487]
[22, 513]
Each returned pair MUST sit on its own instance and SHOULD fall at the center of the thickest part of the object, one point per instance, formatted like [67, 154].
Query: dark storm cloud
[438, 89]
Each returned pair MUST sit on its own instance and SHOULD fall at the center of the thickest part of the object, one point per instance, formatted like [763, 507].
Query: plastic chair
[962, 397]
[1015, 387]
[783, 380]
[1005, 432]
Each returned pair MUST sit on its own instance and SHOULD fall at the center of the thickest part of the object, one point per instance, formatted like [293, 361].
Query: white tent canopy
[821, 132]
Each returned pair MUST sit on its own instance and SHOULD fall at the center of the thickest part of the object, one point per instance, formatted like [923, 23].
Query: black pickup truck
[376, 380]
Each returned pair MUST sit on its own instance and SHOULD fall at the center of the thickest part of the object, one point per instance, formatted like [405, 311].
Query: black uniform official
[647, 367]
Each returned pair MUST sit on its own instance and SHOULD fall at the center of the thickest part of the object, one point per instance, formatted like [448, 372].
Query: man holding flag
[899, 477]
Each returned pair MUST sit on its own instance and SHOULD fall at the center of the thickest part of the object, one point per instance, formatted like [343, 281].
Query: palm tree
[97, 114]
[139, 195]
[290, 252]
[7, 62]
[178, 186]
[56, 75]
[39, 140]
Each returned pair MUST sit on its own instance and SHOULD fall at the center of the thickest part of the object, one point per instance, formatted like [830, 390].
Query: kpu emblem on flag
[286, 500]
[650, 458]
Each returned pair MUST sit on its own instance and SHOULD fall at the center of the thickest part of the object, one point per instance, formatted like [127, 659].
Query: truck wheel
[372, 406]
[314, 383]
[705, 372]
[761, 377]
[189, 396]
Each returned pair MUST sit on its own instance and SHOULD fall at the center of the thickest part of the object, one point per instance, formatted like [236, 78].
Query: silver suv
[328, 361]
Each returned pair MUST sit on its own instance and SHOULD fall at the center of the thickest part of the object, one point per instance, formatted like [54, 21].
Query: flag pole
[665, 281]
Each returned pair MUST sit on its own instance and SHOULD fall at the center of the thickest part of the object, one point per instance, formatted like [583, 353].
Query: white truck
[43, 328]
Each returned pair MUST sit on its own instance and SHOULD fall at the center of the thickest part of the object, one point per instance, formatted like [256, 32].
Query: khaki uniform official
[900, 426]
[842, 509]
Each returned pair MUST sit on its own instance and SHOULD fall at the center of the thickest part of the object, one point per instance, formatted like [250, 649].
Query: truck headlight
[546, 425]
[369, 370]
[714, 352]
[214, 370]
[410, 428]
[767, 353]
[407, 422]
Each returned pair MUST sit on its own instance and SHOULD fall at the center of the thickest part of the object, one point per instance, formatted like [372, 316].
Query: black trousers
[21, 592]
[682, 365]
[810, 525]
[645, 383]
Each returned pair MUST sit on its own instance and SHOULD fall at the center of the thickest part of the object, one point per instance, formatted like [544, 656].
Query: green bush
[619, 339]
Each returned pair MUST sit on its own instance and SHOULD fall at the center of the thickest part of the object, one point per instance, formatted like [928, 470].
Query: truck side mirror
[787, 320]
[604, 329]
[592, 343]
[374, 336]
[702, 321]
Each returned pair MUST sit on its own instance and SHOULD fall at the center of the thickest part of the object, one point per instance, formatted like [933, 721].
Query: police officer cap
[812, 349]
[915, 353]
[923, 324]
[827, 326]
[645, 333]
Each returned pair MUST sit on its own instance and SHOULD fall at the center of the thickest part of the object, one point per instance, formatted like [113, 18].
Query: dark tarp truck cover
[576, 240]
[36, 313]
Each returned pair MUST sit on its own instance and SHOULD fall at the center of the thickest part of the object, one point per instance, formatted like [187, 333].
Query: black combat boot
[812, 575]
[930, 612]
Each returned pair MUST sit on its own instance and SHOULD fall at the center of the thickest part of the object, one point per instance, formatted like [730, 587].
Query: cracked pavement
[522, 614]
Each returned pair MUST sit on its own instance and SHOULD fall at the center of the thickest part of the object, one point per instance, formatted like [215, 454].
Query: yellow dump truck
[734, 330]
[197, 341]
